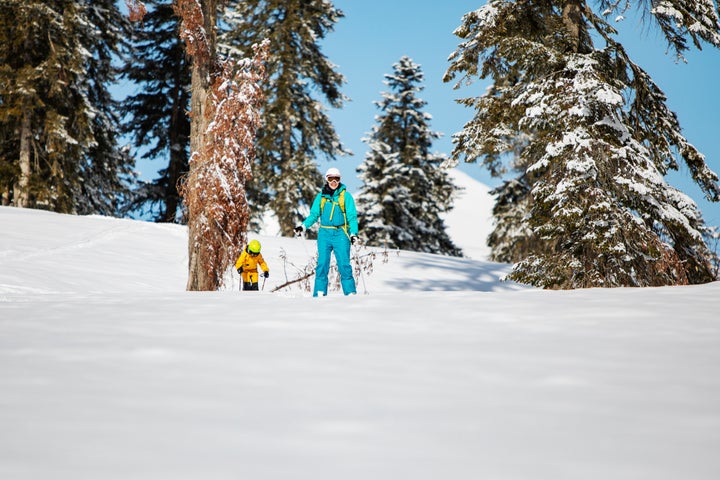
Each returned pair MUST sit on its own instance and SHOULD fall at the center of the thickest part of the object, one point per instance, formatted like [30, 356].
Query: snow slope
[470, 222]
[110, 370]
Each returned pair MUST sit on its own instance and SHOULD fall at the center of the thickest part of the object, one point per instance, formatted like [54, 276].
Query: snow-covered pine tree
[225, 115]
[107, 169]
[404, 191]
[296, 130]
[156, 116]
[512, 239]
[59, 147]
[600, 139]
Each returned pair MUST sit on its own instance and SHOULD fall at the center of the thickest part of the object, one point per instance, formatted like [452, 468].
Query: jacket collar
[329, 192]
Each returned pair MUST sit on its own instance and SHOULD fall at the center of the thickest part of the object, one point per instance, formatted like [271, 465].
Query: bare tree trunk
[576, 26]
[21, 190]
[198, 278]
[199, 87]
[178, 160]
[285, 216]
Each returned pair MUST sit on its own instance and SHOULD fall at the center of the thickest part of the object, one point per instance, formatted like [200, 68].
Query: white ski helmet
[332, 172]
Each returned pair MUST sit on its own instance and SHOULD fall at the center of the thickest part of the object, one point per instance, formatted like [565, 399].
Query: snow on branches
[590, 137]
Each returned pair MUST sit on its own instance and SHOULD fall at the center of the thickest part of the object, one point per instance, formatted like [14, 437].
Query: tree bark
[21, 190]
[198, 278]
[575, 26]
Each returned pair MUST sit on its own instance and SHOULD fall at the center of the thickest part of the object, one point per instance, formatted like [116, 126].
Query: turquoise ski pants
[333, 240]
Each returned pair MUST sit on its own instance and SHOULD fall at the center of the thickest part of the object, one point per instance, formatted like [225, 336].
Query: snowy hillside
[470, 222]
[110, 370]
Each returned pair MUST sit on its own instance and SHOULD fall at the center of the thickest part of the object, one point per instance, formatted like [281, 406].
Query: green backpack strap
[341, 202]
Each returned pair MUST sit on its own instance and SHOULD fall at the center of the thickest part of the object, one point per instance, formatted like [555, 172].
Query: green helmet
[254, 246]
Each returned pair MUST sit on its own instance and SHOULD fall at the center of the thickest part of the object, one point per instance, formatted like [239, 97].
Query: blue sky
[374, 34]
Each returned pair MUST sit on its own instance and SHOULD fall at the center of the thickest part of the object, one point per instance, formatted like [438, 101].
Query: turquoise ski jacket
[327, 208]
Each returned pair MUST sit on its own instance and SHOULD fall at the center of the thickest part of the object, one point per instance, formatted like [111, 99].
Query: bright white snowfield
[109, 370]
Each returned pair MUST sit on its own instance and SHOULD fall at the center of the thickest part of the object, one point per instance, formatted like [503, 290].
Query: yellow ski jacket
[249, 264]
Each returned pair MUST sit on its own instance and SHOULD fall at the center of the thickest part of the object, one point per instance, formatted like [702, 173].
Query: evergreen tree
[405, 191]
[58, 136]
[157, 116]
[512, 239]
[106, 169]
[296, 129]
[600, 140]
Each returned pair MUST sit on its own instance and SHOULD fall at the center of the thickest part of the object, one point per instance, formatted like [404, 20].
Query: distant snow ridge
[471, 221]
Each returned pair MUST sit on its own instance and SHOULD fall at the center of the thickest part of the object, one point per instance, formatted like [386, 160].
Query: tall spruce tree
[107, 169]
[156, 115]
[405, 192]
[296, 129]
[600, 140]
[59, 148]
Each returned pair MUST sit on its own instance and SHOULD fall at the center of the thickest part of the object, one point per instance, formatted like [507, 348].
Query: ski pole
[263, 285]
[360, 268]
[302, 237]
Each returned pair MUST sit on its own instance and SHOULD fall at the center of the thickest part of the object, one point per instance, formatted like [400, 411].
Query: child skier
[247, 265]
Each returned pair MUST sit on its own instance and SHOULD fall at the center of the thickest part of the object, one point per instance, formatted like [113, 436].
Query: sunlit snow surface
[110, 370]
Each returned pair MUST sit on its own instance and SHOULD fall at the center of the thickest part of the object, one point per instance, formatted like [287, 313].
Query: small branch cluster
[192, 30]
[301, 275]
[362, 265]
[136, 9]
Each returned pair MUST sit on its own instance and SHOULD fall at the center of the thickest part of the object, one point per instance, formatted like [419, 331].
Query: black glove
[299, 230]
[266, 274]
[240, 270]
[354, 239]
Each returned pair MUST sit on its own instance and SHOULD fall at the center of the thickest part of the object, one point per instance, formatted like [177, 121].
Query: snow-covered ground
[110, 370]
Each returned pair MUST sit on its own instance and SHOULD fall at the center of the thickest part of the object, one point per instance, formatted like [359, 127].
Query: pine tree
[157, 116]
[600, 140]
[296, 129]
[58, 136]
[405, 191]
[106, 169]
[512, 239]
